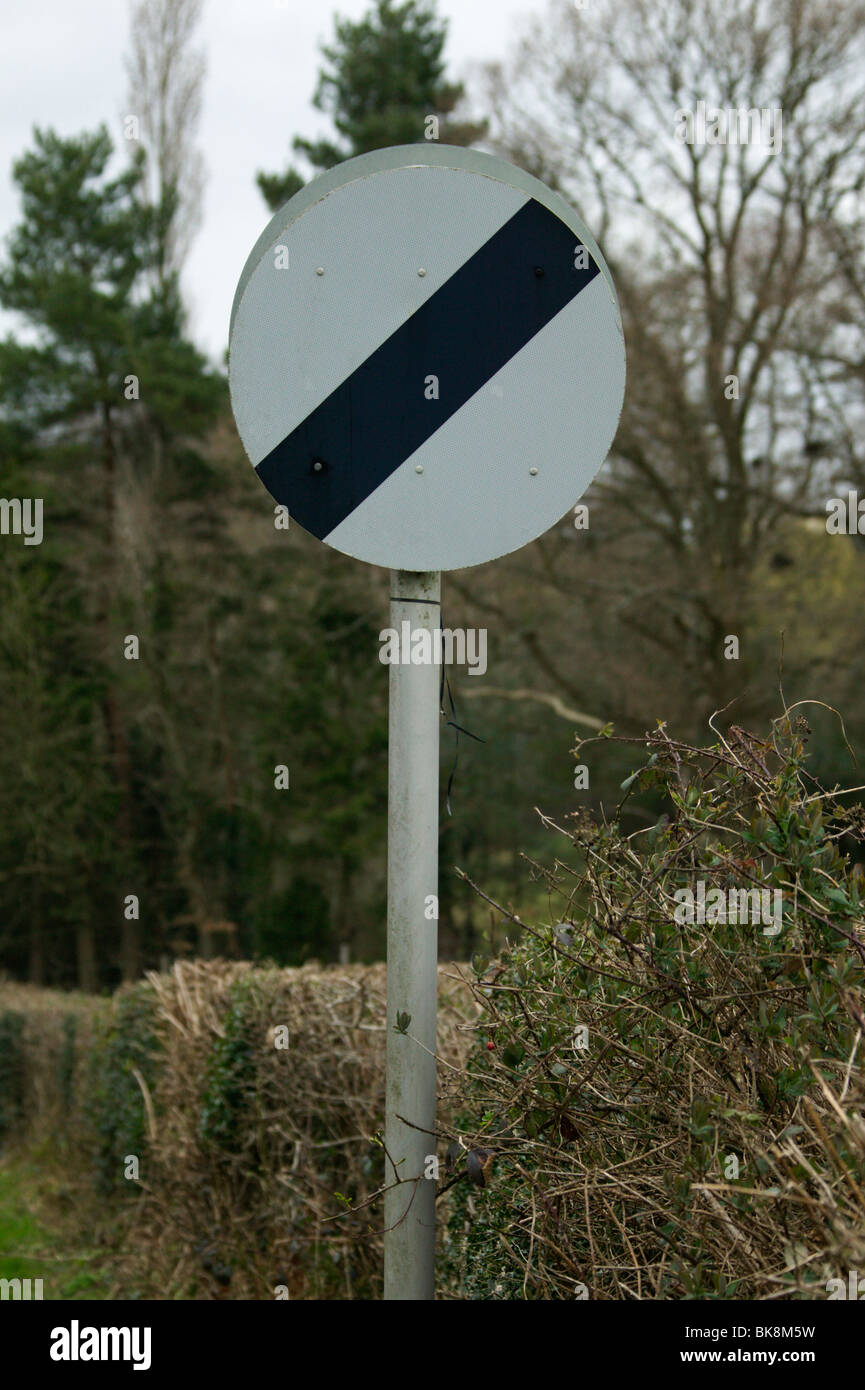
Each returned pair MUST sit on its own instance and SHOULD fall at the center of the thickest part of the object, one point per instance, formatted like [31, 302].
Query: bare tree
[165, 76]
[717, 237]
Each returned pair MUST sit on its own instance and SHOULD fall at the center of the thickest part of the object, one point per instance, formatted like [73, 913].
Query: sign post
[427, 368]
[412, 942]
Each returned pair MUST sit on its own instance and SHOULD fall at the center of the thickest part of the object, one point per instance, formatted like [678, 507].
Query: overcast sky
[62, 67]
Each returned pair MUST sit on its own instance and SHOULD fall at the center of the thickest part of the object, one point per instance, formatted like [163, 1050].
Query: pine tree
[386, 76]
[108, 371]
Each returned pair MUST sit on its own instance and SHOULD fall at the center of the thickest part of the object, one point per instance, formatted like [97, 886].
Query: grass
[35, 1234]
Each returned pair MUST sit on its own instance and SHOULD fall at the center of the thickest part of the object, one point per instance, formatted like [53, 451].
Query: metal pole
[412, 944]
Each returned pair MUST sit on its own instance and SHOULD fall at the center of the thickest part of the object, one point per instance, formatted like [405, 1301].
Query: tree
[165, 85]
[54, 796]
[386, 77]
[109, 368]
[717, 248]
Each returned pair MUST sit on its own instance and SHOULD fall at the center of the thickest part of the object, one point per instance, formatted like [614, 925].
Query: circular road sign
[426, 358]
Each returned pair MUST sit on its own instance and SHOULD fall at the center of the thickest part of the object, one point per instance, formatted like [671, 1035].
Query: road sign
[426, 357]
[427, 368]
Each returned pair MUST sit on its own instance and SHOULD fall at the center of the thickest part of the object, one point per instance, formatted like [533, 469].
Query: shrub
[12, 1072]
[708, 1141]
[67, 1062]
[264, 1158]
[229, 1092]
[125, 1053]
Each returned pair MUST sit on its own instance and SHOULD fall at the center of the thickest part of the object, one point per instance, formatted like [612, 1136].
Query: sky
[62, 67]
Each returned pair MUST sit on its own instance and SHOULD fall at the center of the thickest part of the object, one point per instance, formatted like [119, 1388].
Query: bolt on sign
[426, 358]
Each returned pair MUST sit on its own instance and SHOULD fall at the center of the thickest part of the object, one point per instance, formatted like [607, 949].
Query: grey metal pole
[412, 945]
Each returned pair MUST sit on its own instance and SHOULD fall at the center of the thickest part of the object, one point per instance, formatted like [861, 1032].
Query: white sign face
[426, 357]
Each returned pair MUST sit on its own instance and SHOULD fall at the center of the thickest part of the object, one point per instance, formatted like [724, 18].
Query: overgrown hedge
[674, 1107]
[251, 1158]
[703, 1138]
[45, 1037]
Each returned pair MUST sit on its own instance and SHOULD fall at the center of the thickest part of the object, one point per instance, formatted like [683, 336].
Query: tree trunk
[130, 936]
[36, 963]
[86, 951]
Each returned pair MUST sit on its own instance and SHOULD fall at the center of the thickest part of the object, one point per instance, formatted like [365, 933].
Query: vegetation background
[153, 778]
[258, 647]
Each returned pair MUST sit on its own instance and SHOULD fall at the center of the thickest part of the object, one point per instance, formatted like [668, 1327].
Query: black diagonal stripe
[480, 317]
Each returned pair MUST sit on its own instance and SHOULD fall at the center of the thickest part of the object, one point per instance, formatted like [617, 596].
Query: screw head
[418, 468]
[533, 472]
[319, 270]
[421, 271]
